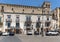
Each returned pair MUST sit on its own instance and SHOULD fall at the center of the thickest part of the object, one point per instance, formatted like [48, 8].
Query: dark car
[0, 33]
[11, 33]
[36, 33]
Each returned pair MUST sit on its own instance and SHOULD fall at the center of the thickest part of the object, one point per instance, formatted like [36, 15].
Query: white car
[5, 33]
[29, 32]
[52, 33]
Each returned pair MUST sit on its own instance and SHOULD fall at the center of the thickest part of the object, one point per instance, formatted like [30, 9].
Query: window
[28, 18]
[38, 18]
[23, 9]
[12, 9]
[48, 6]
[17, 25]
[47, 18]
[47, 24]
[2, 8]
[17, 19]
[43, 11]
[38, 24]
[8, 24]
[28, 21]
[32, 10]
[9, 16]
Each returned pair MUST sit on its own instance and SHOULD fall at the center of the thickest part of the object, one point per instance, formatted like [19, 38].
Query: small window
[38, 18]
[2, 8]
[48, 6]
[23, 9]
[12, 9]
[47, 18]
[32, 10]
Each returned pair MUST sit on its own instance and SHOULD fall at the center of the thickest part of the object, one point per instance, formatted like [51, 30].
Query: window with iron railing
[38, 23]
[28, 21]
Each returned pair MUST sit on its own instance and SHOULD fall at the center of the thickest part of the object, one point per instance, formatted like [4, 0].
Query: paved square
[29, 38]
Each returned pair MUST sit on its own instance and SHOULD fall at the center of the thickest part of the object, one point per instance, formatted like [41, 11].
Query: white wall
[34, 18]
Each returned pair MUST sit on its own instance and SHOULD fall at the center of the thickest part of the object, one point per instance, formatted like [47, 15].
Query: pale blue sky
[54, 3]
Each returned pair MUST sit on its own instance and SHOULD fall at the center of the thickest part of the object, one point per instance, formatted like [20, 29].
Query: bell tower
[46, 7]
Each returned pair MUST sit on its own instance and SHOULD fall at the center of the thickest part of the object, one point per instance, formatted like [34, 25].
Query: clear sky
[54, 3]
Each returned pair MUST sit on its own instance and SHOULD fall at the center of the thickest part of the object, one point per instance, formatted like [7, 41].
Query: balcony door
[8, 24]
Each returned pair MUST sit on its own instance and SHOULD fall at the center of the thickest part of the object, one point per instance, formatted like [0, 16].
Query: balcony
[48, 21]
[29, 22]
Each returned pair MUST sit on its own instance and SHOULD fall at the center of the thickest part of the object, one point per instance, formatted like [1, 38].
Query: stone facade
[21, 17]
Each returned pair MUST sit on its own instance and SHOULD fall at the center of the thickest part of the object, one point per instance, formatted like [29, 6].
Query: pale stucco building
[23, 18]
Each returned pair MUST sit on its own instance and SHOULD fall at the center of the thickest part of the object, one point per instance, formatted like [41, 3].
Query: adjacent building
[56, 16]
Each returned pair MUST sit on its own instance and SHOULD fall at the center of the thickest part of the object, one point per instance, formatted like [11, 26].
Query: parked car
[0, 33]
[5, 33]
[36, 33]
[29, 32]
[11, 33]
[52, 33]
